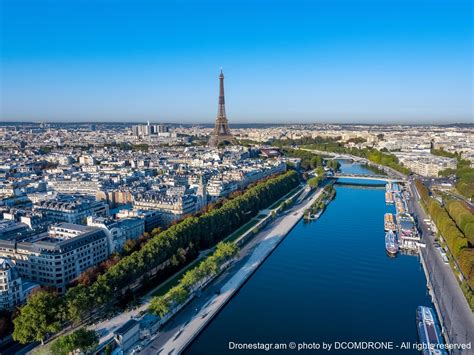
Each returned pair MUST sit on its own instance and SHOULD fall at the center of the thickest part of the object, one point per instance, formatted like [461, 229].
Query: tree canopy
[40, 317]
[82, 339]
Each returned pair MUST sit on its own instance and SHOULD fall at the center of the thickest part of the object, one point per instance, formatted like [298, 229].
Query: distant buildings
[157, 134]
[87, 160]
[151, 218]
[148, 130]
[171, 207]
[75, 186]
[426, 164]
[72, 210]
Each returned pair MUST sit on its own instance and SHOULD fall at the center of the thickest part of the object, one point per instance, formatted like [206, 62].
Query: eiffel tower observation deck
[221, 132]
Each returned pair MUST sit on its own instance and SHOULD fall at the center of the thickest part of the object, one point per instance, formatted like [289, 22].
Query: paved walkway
[176, 340]
[456, 315]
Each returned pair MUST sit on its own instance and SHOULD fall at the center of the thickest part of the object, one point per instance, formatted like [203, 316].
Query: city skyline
[172, 172]
[310, 62]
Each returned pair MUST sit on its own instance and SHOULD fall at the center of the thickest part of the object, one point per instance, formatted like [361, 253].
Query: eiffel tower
[221, 132]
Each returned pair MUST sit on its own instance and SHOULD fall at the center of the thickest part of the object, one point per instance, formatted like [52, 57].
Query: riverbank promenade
[269, 238]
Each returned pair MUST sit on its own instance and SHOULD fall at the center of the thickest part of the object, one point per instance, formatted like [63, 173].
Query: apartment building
[75, 186]
[56, 257]
[426, 164]
[73, 210]
[118, 231]
[151, 218]
[171, 207]
[13, 290]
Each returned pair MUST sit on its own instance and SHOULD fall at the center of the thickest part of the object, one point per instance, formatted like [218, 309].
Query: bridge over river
[355, 159]
[367, 177]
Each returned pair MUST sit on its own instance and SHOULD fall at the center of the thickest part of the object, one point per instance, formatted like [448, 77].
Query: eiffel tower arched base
[215, 141]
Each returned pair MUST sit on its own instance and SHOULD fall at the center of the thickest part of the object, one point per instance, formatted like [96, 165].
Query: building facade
[171, 207]
[13, 290]
[57, 257]
[118, 231]
[72, 211]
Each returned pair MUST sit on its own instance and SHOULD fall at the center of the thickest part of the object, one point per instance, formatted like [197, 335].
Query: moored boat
[391, 244]
[429, 331]
[389, 223]
[399, 205]
[388, 197]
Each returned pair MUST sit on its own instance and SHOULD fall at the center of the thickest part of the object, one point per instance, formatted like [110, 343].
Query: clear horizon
[231, 124]
[340, 61]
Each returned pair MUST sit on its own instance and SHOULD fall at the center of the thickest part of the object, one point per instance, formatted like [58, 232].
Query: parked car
[443, 255]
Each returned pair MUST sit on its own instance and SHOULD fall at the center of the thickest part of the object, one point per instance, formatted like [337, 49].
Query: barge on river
[429, 331]
[391, 244]
[389, 222]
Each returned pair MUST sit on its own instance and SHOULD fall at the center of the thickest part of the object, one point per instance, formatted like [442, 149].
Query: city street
[457, 317]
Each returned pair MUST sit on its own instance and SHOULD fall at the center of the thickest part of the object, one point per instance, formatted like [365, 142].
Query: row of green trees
[163, 252]
[384, 159]
[193, 279]
[310, 160]
[465, 184]
[127, 146]
[334, 142]
[460, 246]
[464, 218]
[443, 153]
[465, 178]
[449, 230]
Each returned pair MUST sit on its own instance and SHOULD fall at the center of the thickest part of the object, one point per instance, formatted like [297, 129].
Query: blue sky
[284, 61]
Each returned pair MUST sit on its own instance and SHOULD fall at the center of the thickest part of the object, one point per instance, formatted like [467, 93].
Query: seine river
[329, 281]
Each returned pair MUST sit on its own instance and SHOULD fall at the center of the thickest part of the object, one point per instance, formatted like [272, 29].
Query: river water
[329, 281]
